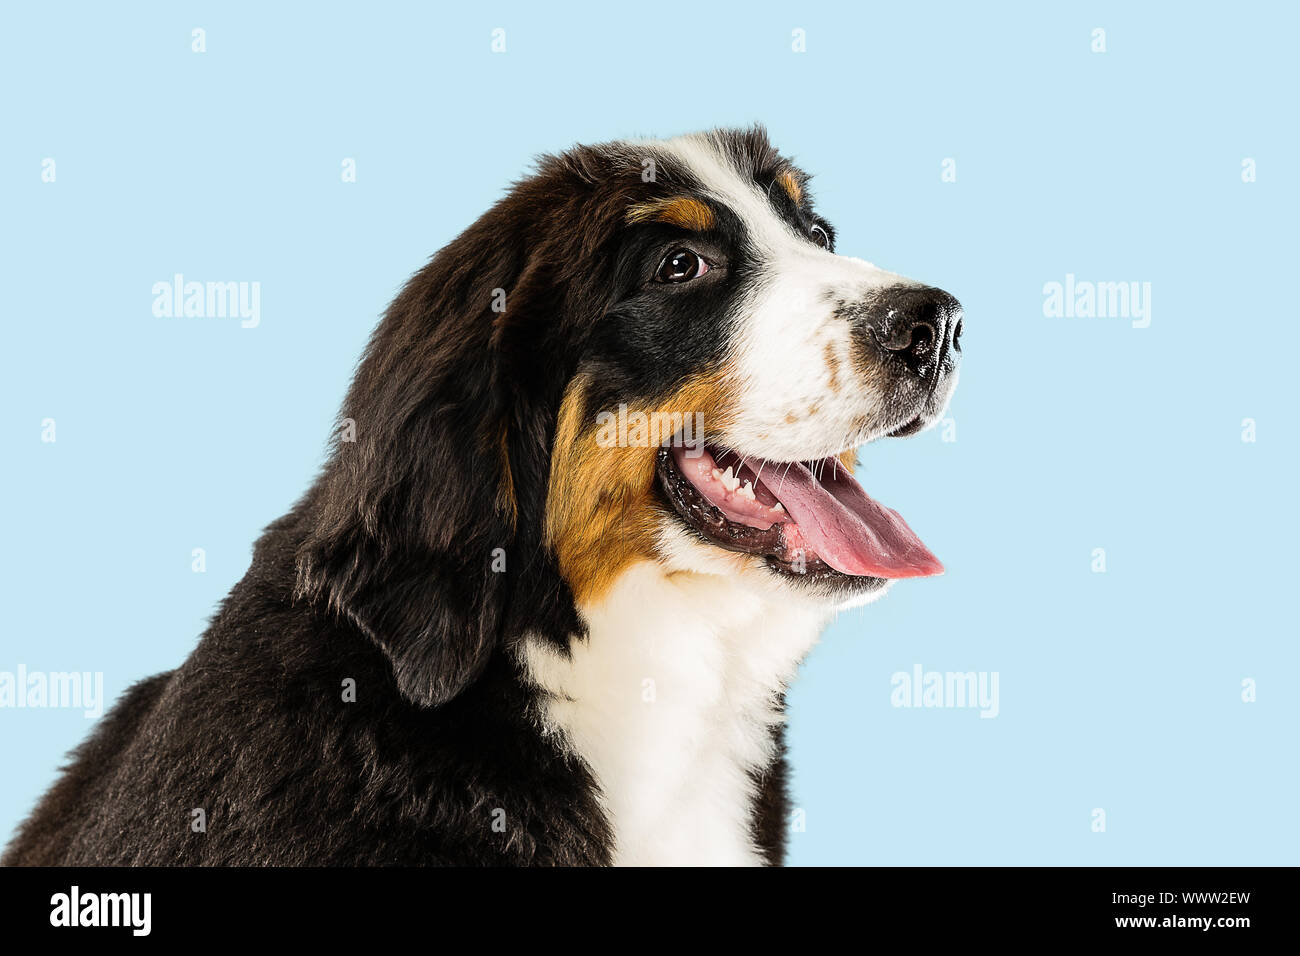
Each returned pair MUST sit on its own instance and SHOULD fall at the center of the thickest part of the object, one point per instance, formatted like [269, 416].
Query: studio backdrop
[1104, 674]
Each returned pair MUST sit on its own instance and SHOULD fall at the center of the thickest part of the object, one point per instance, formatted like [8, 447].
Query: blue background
[1119, 691]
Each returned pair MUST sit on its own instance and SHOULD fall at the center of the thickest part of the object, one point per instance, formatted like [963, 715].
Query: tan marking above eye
[684, 211]
[790, 183]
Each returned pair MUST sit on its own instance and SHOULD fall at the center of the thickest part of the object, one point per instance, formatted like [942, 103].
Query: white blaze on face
[801, 396]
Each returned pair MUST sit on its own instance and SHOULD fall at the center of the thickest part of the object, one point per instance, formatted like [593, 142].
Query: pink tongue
[847, 528]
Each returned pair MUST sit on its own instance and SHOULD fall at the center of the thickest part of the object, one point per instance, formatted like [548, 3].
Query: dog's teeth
[746, 491]
[729, 481]
[778, 507]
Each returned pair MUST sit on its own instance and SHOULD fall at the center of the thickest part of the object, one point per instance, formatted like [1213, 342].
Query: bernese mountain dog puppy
[589, 503]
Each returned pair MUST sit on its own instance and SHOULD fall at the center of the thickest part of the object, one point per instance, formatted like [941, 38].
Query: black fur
[382, 575]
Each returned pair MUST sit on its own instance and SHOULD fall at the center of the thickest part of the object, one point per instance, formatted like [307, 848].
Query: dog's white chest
[671, 702]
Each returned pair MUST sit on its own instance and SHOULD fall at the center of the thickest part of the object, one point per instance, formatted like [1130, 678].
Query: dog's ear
[426, 528]
[414, 516]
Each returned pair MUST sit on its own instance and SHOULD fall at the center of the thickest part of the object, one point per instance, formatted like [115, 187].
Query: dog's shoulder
[45, 837]
[283, 740]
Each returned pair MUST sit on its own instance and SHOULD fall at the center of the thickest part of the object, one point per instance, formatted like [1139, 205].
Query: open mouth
[808, 518]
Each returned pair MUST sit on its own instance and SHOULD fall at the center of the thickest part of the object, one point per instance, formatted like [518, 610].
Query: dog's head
[647, 351]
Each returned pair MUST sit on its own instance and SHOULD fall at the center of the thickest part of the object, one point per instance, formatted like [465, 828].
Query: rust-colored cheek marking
[790, 184]
[600, 503]
[684, 211]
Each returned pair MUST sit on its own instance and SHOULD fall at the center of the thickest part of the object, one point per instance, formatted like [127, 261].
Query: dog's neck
[670, 700]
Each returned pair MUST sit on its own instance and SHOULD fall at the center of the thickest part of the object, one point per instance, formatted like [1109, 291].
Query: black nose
[918, 324]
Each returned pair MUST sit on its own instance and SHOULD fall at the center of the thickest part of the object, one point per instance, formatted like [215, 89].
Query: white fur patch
[670, 701]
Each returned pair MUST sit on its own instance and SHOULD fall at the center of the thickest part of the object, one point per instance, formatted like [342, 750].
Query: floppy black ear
[452, 413]
[418, 495]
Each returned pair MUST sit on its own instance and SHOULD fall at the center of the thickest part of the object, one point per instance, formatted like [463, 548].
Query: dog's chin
[681, 550]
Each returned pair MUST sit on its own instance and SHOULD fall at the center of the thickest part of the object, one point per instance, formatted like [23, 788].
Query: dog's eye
[681, 265]
[820, 236]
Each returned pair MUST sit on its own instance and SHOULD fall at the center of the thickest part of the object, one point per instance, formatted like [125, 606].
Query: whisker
[782, 481]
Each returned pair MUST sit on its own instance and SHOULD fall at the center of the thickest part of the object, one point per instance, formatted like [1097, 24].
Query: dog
[589, 504]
